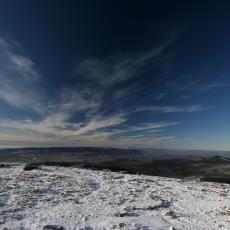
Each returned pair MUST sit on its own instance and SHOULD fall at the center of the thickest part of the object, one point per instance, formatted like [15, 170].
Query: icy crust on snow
[79, 198]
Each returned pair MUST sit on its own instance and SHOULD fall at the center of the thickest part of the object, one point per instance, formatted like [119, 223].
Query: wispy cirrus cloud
[172, 109]
[20, 85]
[210, 86]
[57, 131]
[95, 113]
[114, 69]
[194, 87]
[153, 126]
[19, 78]
[58, 125]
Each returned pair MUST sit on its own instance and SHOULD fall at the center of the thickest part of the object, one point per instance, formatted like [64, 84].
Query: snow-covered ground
[79, 198]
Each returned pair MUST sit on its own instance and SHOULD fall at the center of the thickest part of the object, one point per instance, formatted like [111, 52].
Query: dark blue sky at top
[115, 73]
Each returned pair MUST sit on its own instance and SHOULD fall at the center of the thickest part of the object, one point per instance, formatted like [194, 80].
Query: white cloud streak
[18, 79]
[111, 70]
[56, 130]
[207, 87]
[172, 109]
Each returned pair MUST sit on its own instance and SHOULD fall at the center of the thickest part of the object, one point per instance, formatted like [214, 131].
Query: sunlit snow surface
[79, 198]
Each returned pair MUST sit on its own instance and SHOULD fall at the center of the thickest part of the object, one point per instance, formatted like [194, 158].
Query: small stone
[121, 214]
[121, 225]
[172, 228]
[54, 227]
[170, 214]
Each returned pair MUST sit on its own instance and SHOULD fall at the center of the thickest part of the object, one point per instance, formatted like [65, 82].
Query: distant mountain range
[206, 165]
[95, 153]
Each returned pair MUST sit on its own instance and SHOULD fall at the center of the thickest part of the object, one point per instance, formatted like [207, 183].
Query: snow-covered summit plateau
[73, 198]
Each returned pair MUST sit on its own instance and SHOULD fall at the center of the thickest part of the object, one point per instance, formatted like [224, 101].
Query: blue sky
[87, 73]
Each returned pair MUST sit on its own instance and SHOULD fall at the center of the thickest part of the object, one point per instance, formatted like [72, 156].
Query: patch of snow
[85, 199]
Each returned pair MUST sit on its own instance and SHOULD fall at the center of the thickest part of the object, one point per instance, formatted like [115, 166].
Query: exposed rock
[121, 214]
[170, 214]
[5, 165]
[122, 225]
[30, 167]
[54, 227]
[172, 228]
